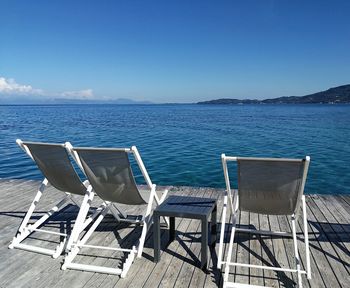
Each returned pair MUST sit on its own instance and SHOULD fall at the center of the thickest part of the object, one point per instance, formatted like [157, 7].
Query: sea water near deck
[181, 144]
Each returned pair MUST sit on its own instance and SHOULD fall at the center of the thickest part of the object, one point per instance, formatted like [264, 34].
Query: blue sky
[172, 51]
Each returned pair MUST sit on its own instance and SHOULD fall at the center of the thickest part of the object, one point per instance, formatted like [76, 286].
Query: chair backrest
[110, 174]
[53, 161]
[272, 186]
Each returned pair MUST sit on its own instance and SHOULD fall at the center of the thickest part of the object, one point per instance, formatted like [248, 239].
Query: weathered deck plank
[283, 253]
[329, 232]
[327, 241]
[141, 270]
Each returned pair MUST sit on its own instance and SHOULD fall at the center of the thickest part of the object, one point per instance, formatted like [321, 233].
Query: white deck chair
[54, 163]
[110, 174]
[269, 186]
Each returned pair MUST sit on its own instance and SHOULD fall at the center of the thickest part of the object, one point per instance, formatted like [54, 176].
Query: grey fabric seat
[110, 174]
[270, 186]
[54, 163]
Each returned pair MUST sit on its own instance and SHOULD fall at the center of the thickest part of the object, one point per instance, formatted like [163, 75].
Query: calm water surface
[181, 144]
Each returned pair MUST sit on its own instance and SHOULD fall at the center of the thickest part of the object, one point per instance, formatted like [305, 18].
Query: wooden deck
[329, 230]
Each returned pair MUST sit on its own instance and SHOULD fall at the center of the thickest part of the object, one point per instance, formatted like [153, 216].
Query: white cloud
[81, 94]
[10, 86]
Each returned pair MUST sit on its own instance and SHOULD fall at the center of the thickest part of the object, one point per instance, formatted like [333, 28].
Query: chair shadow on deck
[63, 221]
[335, 233]
[243, 239]
[242, 242]
[185, 240]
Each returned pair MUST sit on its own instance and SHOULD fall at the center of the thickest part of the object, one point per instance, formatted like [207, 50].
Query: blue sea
[182, 144]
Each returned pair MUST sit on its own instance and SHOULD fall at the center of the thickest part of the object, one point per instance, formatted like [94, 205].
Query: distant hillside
[340, 94]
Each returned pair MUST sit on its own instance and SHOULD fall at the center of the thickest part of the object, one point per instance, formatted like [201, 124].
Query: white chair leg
[160, 201]
[164, 194]
[21, 230]
[25, 230]
[145, 228]
[78, 244]
[75, 245]
[91, 218]
[147, 222]
[59, 248]
[306, 238]
[114, 210]
[229, 256]
[222, 232]
[83, 211]
[128, 261]
[297, 259]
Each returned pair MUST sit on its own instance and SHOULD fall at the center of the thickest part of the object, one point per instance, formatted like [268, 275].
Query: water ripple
[181, 144]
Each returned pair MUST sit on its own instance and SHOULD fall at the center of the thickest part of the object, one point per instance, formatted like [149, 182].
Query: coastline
[216, 190]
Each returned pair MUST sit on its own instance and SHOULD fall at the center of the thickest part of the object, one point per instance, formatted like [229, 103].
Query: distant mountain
[62, 101]
[120, 101]
[340, 94]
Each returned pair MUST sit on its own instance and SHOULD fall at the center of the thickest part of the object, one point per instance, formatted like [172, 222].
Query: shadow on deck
[329, 235]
